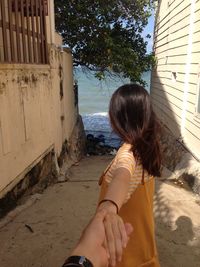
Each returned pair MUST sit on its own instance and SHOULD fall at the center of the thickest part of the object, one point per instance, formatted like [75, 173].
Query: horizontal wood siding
[171, 39]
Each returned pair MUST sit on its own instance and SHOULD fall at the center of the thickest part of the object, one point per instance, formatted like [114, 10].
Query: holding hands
[116, 232]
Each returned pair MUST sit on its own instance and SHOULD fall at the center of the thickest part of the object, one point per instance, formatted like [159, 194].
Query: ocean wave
[104, 114]
[98, 124]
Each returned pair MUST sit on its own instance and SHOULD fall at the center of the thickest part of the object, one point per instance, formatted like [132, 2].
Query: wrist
[84, 251]
[77, 261]
[109, 205]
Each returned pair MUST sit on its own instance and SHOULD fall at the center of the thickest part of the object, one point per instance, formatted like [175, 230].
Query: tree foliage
[105, 35]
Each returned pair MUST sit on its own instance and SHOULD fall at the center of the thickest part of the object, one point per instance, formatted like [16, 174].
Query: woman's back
[128, 183]
[137, 209]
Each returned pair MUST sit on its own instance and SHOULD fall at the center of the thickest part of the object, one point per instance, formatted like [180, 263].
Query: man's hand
[93, 237]
[90, 244]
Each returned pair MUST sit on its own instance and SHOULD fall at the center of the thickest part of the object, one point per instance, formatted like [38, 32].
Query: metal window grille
[23, 31]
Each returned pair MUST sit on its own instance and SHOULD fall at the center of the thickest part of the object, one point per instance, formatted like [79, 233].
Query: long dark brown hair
[133, 119]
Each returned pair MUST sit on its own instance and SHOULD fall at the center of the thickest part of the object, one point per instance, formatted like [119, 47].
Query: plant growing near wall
[106, 36]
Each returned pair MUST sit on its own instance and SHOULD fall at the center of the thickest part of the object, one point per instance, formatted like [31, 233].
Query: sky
[149, 30]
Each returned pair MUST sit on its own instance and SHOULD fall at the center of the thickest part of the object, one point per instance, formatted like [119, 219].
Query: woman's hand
[117, 236]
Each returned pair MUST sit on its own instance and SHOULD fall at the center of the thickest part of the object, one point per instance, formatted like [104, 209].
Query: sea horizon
[94, 95]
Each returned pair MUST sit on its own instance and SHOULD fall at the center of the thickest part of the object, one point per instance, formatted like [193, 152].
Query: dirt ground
[41, 233]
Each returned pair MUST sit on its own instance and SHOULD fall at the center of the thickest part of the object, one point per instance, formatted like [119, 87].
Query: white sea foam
[105, 114]
[94, 96]
[98, 124]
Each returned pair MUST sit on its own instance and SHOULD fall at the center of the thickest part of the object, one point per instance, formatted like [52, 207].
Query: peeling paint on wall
[30, 113]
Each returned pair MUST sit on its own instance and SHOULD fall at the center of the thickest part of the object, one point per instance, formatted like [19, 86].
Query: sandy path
[63, 209]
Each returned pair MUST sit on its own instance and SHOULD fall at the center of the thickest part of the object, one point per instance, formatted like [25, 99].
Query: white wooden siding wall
[171, 49]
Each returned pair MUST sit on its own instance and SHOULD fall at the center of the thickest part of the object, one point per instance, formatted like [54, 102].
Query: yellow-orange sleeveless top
[125, 159]
[138, 210]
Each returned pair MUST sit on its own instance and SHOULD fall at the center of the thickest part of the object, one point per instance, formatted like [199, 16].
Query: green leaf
[105, 36]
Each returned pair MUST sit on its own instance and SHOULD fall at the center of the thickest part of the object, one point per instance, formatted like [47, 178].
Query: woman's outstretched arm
[116, 236]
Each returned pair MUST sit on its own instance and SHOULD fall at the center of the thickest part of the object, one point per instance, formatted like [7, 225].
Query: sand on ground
[42, 234]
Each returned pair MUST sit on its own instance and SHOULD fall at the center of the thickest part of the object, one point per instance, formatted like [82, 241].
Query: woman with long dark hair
[127, 185]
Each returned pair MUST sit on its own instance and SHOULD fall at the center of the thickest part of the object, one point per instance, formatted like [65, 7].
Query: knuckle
[119, 251]
[112, 253]
[117, 236]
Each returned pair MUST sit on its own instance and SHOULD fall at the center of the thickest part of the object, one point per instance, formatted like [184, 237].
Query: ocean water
[94, 97]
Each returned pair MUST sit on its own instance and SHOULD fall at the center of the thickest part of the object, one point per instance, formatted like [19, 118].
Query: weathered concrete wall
[25, 116]
[37, 114]
[35, 181]
[40, 128]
